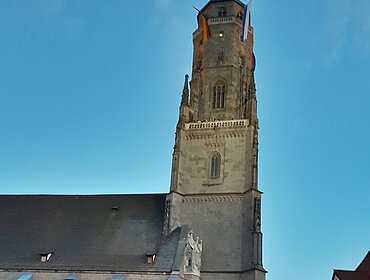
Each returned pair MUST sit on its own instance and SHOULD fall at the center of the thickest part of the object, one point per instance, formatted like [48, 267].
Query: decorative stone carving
[212, 198]
[257, 214]
[217, 124]
[185, 92]
[214, 144]
[255, 160]
[167, 217]
[193, 255]
[219, 134]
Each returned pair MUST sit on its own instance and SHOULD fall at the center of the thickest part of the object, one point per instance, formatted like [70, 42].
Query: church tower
[214, 186]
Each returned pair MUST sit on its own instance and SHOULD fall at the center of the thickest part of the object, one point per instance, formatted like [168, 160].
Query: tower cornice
[217, 124]
[210, 194]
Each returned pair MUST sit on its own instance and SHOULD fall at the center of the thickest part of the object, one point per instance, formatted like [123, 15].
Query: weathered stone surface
[219, 198]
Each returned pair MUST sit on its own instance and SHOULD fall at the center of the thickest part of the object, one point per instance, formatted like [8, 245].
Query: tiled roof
[85, 232]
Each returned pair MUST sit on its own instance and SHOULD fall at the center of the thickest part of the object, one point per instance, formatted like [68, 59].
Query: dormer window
[45, 257]
[222, 12]
[150, 258]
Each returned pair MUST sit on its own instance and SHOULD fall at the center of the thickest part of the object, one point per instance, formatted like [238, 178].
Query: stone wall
[234, 145]
[227, 222]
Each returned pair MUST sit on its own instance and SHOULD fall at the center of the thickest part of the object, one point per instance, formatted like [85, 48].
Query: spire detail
[185, 92]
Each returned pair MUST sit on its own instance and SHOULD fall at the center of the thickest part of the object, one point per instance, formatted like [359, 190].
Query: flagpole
[196, 9]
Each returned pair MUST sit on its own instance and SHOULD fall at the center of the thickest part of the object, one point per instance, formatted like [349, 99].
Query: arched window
[215, 165]
[218, 95]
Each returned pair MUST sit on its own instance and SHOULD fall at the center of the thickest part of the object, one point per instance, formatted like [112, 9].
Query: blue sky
[89, 96]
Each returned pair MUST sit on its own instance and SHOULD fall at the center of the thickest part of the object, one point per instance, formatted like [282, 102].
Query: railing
[216, 124]
[219, 20]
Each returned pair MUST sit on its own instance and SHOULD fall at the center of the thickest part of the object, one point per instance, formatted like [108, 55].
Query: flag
[253, 62]
[246, 21]
[204, 23]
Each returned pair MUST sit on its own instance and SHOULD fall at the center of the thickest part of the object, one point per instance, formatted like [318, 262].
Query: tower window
[240, 15]
[199, 63]
[220, 58]
[222, 12]
[215, 165]
[218, 95]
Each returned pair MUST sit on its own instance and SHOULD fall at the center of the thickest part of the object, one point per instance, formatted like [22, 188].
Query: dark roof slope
[365, 264]
[351, 275]
[84, 233]
[362, 272]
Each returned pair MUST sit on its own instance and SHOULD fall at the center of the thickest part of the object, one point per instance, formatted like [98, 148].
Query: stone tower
[214, 186]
